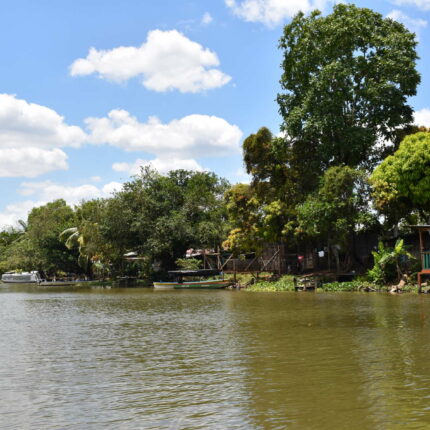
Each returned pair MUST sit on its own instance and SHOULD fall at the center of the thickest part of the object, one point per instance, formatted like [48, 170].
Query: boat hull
[21, 278]
[18, 282]
[212, 284]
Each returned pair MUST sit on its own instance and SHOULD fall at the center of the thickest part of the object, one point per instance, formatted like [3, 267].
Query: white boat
[21, 277]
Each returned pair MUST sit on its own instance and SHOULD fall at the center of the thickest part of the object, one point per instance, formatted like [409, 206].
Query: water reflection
[134, 359]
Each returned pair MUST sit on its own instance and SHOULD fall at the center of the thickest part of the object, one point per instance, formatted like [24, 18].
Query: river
[143, 359]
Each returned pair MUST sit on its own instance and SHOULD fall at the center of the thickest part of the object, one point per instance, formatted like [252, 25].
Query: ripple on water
[133, 359]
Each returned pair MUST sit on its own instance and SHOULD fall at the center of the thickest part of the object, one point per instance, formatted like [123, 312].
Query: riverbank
[286, 283]
[82, 284]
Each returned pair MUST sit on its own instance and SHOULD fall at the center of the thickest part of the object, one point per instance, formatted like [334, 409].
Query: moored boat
[21, 277]
[180, 283]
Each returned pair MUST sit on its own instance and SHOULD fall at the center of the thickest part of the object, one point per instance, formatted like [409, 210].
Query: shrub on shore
[285, 283]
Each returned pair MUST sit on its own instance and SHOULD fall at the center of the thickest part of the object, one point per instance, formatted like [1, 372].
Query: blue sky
[174, 82]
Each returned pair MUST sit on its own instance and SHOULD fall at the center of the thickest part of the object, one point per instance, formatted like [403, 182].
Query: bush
[188, 263]
[387, 262]
[350, 286]
[285, 283]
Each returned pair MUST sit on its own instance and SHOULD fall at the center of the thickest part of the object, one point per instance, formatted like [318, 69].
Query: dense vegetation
[349, 160]
[157, 217]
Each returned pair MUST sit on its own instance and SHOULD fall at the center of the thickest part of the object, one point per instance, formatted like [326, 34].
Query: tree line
[348, 160]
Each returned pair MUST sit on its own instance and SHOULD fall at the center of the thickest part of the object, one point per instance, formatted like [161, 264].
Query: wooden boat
[180, 283]
[45, 283]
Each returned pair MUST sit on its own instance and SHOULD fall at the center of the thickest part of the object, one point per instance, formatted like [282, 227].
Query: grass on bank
[286, 283]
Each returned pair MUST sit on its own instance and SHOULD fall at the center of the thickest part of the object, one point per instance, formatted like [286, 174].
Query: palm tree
[73, 238]
[86, 239]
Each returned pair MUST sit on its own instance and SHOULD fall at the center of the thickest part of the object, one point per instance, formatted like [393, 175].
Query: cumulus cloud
[42, 192]
[16, 211]
[24, 124]
[271, 12]
[111, 188]
[49, 191]
[414, 24]
[168, 60]
[422, 117]
[30, 162]
[161, 165]
[420, 4]
[30, 138]
[188, 137]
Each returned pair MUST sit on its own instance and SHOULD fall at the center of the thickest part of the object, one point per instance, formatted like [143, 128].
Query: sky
[91, 90]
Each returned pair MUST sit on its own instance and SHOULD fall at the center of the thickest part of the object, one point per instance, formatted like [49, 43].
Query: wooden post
[279, 261]
[420, 232]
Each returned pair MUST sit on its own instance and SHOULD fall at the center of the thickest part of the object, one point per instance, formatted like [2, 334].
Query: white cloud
[413, 24]
[420, 4]
[46, 191]
[271, 12]
[111, 188]
[24, 124]
[168, 60]
[162, 165]
[191, 136]
[422, 117]
[30, 138]
[207, 18]
[30, 162]
[95, 178]
[16, 211]
[49, 191]
[243, 176]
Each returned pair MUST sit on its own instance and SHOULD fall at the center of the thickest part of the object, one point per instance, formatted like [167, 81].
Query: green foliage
[188, 263]
[346, 77]
[157, 216]
[285, 283]
[160, 217]
[350, 286]
[387, 263]
[401, 183]
[38, 246]
[262, 211]
[242, 209]
[338, 208]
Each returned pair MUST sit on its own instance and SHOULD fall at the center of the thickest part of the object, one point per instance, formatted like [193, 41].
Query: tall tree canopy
[162, 216]
[346, 78]
[339, 207]
[401, 183]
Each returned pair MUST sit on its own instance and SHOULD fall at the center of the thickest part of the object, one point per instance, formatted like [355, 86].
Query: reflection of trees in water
[393, 352]
[326, 361]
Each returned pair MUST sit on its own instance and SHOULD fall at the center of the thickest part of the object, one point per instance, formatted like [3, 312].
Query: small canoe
[197, 285]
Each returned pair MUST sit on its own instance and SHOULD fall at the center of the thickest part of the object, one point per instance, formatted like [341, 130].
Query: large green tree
[38, 246]
[161, 216]
[401, 183]
[337, 210]
[264, 210]
[346, 79]
[87, 237]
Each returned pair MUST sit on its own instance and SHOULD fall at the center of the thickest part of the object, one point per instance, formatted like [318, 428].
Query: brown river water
[144, 359]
